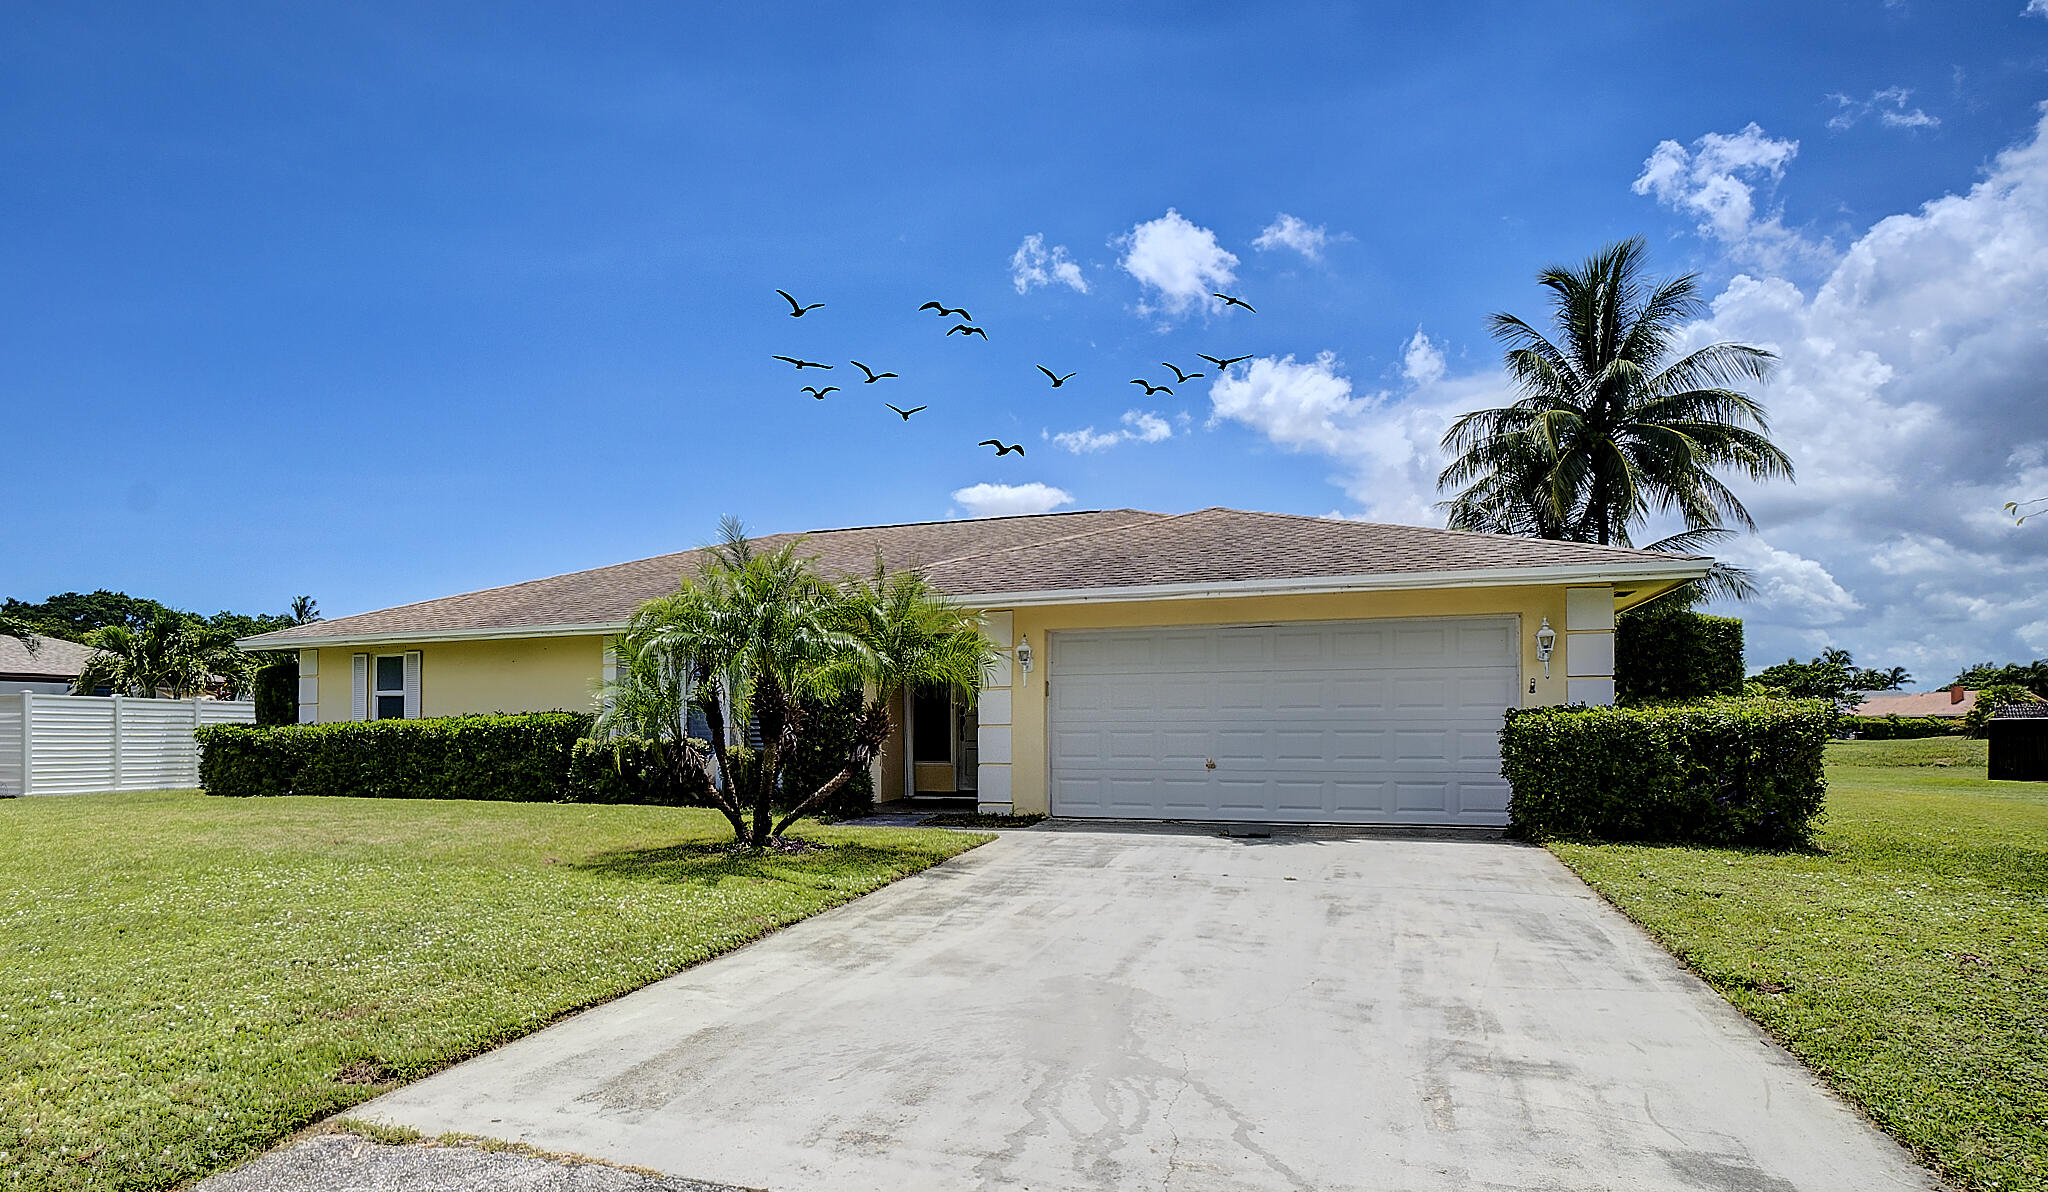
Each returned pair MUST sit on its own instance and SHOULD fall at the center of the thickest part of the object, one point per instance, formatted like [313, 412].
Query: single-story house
[50, 670]
[1954, 701]
[1214, 665]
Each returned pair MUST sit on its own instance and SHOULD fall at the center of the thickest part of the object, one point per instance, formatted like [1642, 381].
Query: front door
[934, 743]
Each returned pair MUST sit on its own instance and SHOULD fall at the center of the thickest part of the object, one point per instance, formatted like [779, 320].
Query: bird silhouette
[1179, 377]
[905, 413]
[1057, 381]
[1000, 449]
[964, 329]
[795, 311]
[1229, 301]
[801, 364]
[818, 393]
[1224, 364]
[873, 376]
[1150, 388]
[947, 312]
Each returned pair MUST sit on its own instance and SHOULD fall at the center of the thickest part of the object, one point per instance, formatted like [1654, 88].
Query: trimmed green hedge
[519, 758]
[276, 691]
[1720, 772]
[622, 770]
[1898, 728]
[1675, 653]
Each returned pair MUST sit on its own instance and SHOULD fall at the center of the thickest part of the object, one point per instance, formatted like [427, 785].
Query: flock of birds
[966, 328]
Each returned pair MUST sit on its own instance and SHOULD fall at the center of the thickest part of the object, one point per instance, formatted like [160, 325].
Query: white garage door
[1392, 721]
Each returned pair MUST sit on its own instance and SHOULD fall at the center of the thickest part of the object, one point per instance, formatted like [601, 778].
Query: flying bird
[905, 413]
[964, 329]
[1229, 301]
[1179, 377]
[1150, 388]
[873, 376]
[818, 393]
[947, 312]
[1224, 364]
[1056, 380]
[801, 364]
[1001, 450]
[795, 311]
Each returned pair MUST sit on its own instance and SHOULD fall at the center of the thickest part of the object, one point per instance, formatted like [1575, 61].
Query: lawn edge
[1847, 1098]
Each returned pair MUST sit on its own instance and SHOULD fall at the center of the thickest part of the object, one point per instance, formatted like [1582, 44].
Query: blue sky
[378, 304]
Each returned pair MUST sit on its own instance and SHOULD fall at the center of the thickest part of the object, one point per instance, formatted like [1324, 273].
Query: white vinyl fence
[79, 744]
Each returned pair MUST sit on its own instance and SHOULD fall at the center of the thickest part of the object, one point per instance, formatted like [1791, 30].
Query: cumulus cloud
[1178, 264]
[1715, 182]
[1422, 361]
[1888, 105]
[1139, 426]
[1286, 231]
[2036, 8]
[1033, 264]
[1010, 500]
[1909, 397]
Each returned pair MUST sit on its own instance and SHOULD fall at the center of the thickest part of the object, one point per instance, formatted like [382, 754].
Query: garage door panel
[1358, 722]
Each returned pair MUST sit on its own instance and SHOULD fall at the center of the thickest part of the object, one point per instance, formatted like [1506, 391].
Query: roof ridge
[1153, 519]
[1348, 521]
[947, 521]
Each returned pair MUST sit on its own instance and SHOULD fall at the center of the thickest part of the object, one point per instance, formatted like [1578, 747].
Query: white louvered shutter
[359, 687]
[412, 684]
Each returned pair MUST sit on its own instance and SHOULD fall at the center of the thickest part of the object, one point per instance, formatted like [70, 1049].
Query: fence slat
[77, 744]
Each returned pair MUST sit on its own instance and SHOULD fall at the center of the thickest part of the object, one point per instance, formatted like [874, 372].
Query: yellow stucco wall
[535, 674]
[1028, 782]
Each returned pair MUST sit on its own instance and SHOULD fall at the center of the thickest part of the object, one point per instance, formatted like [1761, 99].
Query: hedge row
[1721, 772]
[1675, 653]
[1896, 728]
[523, 758]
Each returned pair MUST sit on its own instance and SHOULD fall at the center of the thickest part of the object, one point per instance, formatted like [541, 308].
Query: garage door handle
[1210, 764]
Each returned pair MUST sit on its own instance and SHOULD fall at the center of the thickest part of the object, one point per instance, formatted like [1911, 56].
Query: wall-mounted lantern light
[1546, 641]
[1024, 654]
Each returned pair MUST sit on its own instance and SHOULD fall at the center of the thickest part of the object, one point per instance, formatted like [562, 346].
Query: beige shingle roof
[1115, 548]
[54, 658]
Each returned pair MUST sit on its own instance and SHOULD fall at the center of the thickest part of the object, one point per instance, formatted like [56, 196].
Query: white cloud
[1716, 181]
[1286, 231]
[1140, 426]
[2036, 8]
[1035, 265]
[1888, 105]
[1909, 397]
[1178, 263]
[1422, 361]
[1009, 500]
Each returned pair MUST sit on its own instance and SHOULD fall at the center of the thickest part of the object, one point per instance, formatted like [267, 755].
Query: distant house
[1953, 702]
[48, 671]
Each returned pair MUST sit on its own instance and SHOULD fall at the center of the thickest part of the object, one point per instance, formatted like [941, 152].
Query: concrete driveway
[1109, 1009]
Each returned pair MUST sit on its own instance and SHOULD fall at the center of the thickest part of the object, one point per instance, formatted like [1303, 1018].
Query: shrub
[1721, 772]
[277, 693]
[1668, 652]
[830, 731]
[628, 770]
[1900, 728]
[1989, 700]
[515, 758]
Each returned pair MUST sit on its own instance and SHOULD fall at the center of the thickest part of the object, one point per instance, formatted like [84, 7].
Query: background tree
[2031, 675]
[167, 657]
[761, 641]
[1989, 700]
[1864, 679]
[1829, 677]
[19, 630]
[1613, 425]
[305, 610]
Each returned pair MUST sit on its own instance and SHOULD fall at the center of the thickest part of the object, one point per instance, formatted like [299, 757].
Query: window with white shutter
[412, 684]
[359, 687]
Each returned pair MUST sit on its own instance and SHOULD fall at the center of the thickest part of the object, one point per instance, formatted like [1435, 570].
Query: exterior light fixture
[1024, 654]
[1546, 641]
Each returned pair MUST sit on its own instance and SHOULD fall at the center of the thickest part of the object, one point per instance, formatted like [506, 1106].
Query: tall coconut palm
[1613, 424]
[305, 610]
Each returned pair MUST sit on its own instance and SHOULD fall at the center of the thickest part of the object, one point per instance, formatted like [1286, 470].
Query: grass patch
[188, 980]
[1905, 958]
[975, 819]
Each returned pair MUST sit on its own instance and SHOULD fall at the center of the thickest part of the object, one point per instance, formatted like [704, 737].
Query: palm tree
[305, 610]
[1610, 428]
[165, 657]
[761, 639]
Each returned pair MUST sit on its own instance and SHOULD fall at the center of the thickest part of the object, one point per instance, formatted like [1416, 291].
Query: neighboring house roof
[55, 659]
[2037, 710]
[1045, 558]
[1949, 701]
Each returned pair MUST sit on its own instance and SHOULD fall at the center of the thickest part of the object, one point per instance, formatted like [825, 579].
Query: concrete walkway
[1115, 1009]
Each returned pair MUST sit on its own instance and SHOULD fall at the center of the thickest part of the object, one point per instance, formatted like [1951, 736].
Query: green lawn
[1905, 960]
[184, 980]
